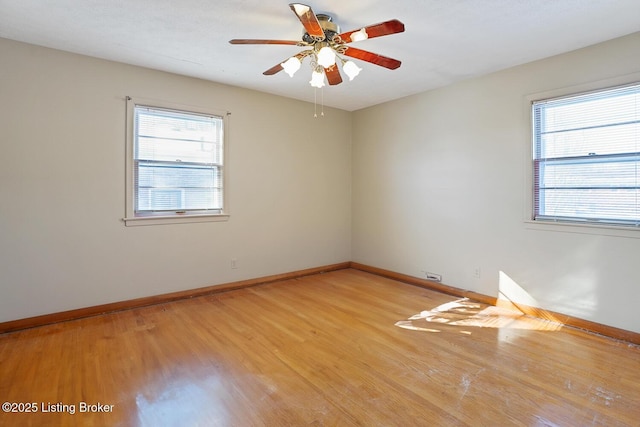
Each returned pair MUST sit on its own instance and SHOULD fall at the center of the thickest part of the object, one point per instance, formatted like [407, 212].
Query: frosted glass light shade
[317, 79]
[291, 65]
[351, 69]
[360, 35]
[326, 57]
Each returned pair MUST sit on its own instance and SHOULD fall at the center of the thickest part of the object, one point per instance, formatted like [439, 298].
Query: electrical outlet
[476, 272]
[234, 262]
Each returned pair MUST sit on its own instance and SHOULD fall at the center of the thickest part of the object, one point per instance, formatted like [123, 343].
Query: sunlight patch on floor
[463, 313]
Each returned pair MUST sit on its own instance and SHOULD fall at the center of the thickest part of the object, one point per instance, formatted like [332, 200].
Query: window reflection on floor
[183, 402]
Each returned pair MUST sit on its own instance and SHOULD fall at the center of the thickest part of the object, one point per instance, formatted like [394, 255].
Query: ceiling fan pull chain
[315, 102]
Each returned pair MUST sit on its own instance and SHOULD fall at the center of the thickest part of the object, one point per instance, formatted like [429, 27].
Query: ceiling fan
[326, 44]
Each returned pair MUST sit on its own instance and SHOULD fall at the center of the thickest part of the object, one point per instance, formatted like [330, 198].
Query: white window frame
[609, 229]
[131, 217]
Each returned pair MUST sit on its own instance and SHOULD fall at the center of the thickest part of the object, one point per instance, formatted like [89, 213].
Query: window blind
[178, 161]
[586, 157]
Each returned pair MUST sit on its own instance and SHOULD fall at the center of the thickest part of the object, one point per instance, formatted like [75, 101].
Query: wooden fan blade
[308, 19]
[333, 75]
[382, 29]
[273, 70]
[256, 41]
[373, 58]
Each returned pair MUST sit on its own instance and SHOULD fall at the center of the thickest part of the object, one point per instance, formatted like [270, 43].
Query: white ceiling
[445, 40]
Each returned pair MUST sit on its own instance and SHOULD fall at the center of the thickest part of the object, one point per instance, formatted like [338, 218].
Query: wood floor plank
[345, 348]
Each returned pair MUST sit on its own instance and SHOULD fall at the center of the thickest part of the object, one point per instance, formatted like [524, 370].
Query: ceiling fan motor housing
[330, 28]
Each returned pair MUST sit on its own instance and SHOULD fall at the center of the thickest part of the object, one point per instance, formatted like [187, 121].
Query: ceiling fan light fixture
[291, 65]
[359, 35]
[351, 69]
[326, 57]
[325, 44]
[317, 78]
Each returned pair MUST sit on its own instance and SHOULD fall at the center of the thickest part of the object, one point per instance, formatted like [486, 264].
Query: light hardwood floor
[343, 348]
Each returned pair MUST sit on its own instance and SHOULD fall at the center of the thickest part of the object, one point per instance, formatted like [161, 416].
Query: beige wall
[432, 182]
[440, 184]
[62, 242]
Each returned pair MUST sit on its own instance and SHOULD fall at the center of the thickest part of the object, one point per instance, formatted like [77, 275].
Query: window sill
[586, 228]
[174, 219]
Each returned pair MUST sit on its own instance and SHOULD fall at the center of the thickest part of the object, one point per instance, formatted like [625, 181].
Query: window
[175, 170]
[586, 157]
